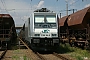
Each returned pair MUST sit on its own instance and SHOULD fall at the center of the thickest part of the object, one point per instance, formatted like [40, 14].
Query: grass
[15, 57]
[80, 54]
[22, 56]
[64, 49]
[77, 53]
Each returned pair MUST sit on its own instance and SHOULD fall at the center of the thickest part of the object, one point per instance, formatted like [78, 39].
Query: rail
[61, 57]
[1, 56]
[40, 56]
[32, 53]
[24, 43]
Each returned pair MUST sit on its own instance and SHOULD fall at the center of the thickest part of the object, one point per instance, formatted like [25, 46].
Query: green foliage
[25, 57]
[79, 58]
[76, 53]
[15, 57]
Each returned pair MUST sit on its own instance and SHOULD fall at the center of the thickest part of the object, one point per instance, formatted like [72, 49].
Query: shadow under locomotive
[44, 44]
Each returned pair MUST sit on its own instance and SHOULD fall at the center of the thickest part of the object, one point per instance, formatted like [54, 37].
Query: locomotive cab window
[45, 21]
[39, 19]
[50, 19]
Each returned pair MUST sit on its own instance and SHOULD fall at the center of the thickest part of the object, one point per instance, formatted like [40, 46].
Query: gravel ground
[67, 56]
[1, 52]
[20, 54]
[51, 57]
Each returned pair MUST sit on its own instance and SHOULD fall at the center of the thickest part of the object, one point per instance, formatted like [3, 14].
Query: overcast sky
[20, 10]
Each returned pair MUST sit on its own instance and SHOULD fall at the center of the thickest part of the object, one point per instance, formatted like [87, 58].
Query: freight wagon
[77, 26]
[7, 30]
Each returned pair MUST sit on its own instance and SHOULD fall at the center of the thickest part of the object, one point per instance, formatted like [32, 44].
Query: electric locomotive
[41, 30]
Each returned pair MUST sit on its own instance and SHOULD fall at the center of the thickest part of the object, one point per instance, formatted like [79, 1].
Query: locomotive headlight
[36, 41]
[55, 40]
[54, 34]
[37, 35]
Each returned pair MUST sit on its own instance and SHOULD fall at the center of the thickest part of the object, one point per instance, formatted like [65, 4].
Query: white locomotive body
[41, 29]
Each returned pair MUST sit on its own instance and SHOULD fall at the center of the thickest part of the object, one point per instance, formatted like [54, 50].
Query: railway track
[48, 57]
[54, 56]
[38, 56]
[63, 56]
[19, 54]
[31, 53]
[2, 53]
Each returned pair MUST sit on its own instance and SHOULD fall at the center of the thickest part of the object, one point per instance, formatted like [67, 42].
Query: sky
[20, 10]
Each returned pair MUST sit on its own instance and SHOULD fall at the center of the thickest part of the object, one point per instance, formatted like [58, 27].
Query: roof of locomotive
[43, 10]
[44, 13]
